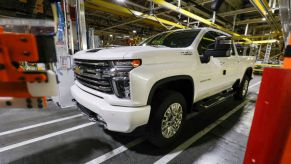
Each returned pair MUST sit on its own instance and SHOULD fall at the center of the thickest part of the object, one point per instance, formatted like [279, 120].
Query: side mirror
[221, 50]
[205, 58]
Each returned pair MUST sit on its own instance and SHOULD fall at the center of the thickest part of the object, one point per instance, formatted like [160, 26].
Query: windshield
[173, 39]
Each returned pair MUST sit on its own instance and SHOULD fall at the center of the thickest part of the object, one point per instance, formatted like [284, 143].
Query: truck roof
[200, 28]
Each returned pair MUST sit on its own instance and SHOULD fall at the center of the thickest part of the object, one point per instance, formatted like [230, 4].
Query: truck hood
[148, 54]
[112, 53]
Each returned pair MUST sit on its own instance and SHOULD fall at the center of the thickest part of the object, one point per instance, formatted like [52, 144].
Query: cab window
[207, 42]
[216, 45]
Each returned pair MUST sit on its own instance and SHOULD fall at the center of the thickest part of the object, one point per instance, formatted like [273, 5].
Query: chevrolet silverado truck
[155, 84]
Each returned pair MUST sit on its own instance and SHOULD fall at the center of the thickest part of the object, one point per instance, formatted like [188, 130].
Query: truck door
[225, 52]
[210, 70]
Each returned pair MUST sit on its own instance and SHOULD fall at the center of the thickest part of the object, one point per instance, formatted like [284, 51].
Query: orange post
[287, 59]
[270, 136]
[286, 158]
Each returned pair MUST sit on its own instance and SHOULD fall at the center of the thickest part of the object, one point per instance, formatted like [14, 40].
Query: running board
[213, 101]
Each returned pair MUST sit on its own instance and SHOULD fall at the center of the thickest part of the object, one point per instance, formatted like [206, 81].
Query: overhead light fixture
[111, 35]
[137, 13]
[121, 1]
[265, 41]
[126, 36]
[185, 20]
[263, 19]
[134, 31]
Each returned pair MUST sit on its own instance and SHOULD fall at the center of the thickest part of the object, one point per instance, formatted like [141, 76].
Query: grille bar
[90, 76]
[88, 62]
[86, 74]
[99, 88]
[93, 81]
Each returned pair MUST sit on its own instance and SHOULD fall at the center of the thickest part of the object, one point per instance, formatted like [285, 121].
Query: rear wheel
[242, 90]
[167, 118]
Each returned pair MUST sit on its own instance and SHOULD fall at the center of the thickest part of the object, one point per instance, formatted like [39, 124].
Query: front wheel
[242, 90]
[167, 118]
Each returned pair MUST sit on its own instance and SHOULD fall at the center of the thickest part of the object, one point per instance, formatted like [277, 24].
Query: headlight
[120, 76]
[121, 87]
[127, 63]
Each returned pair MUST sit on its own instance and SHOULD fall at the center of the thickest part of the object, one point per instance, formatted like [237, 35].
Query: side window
[245, 50]
[248, 51]
[207, 42]
[216, 45]
[240, 49]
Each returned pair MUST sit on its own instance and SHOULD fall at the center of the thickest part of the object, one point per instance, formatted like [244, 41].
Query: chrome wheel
[172, 120]
[245, 88]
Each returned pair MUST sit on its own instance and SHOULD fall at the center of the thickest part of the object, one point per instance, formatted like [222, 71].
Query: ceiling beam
[206, 12]
[129, 22]
[205, 2]
[120, 10]
[265, 10]
[238, 12]
[270, 35]
[147, 9]
[196, 17]
[251, 21]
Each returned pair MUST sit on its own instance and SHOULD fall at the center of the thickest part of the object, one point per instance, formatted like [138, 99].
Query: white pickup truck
[156, 84]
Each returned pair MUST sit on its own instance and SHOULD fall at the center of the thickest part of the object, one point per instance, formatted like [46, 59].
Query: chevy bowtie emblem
[77, 70]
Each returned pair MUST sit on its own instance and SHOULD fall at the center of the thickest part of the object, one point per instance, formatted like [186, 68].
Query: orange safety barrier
[287, 151]
[15, 48]
[287, 59]
[287, 62]
[270, 137]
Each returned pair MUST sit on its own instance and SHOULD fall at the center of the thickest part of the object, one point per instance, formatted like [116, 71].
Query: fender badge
[186, 53]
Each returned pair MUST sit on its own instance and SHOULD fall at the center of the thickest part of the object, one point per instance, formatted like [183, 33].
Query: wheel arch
[249, 72]
[174, 83]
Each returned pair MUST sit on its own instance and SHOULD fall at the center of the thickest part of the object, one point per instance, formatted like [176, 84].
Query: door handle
[224, 72]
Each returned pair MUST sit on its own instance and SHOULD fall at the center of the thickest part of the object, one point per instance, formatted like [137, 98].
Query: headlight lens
[127, 63]
[121, 87]
[120, 76]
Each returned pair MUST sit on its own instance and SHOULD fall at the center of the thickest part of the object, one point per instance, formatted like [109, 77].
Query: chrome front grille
[90, 74]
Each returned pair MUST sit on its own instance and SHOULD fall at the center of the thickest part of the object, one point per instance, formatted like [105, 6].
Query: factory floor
[215, 135]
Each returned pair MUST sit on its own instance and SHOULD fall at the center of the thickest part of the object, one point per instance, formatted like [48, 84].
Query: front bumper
[117, 118]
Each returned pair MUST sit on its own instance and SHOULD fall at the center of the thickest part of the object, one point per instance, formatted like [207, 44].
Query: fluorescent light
[120, 0]
[263, 19]
[111, 35]
[136, 13]
[134, 31]
[265, 41]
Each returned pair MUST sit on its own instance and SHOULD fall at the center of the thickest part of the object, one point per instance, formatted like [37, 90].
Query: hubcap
[172, 119]
[245, 88]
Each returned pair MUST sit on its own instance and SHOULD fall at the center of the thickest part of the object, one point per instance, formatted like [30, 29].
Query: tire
[242, 90]
[162, 116]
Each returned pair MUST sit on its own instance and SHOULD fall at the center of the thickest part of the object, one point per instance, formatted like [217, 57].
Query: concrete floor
[76, 140]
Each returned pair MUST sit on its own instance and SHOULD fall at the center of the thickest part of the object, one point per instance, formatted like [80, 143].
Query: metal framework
[196, 17]
[120, 10]
[138, 13]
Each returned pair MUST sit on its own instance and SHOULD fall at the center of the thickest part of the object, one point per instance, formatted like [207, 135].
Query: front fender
[143, 78]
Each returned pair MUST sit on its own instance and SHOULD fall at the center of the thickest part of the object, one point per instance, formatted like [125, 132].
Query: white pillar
[81, 24]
